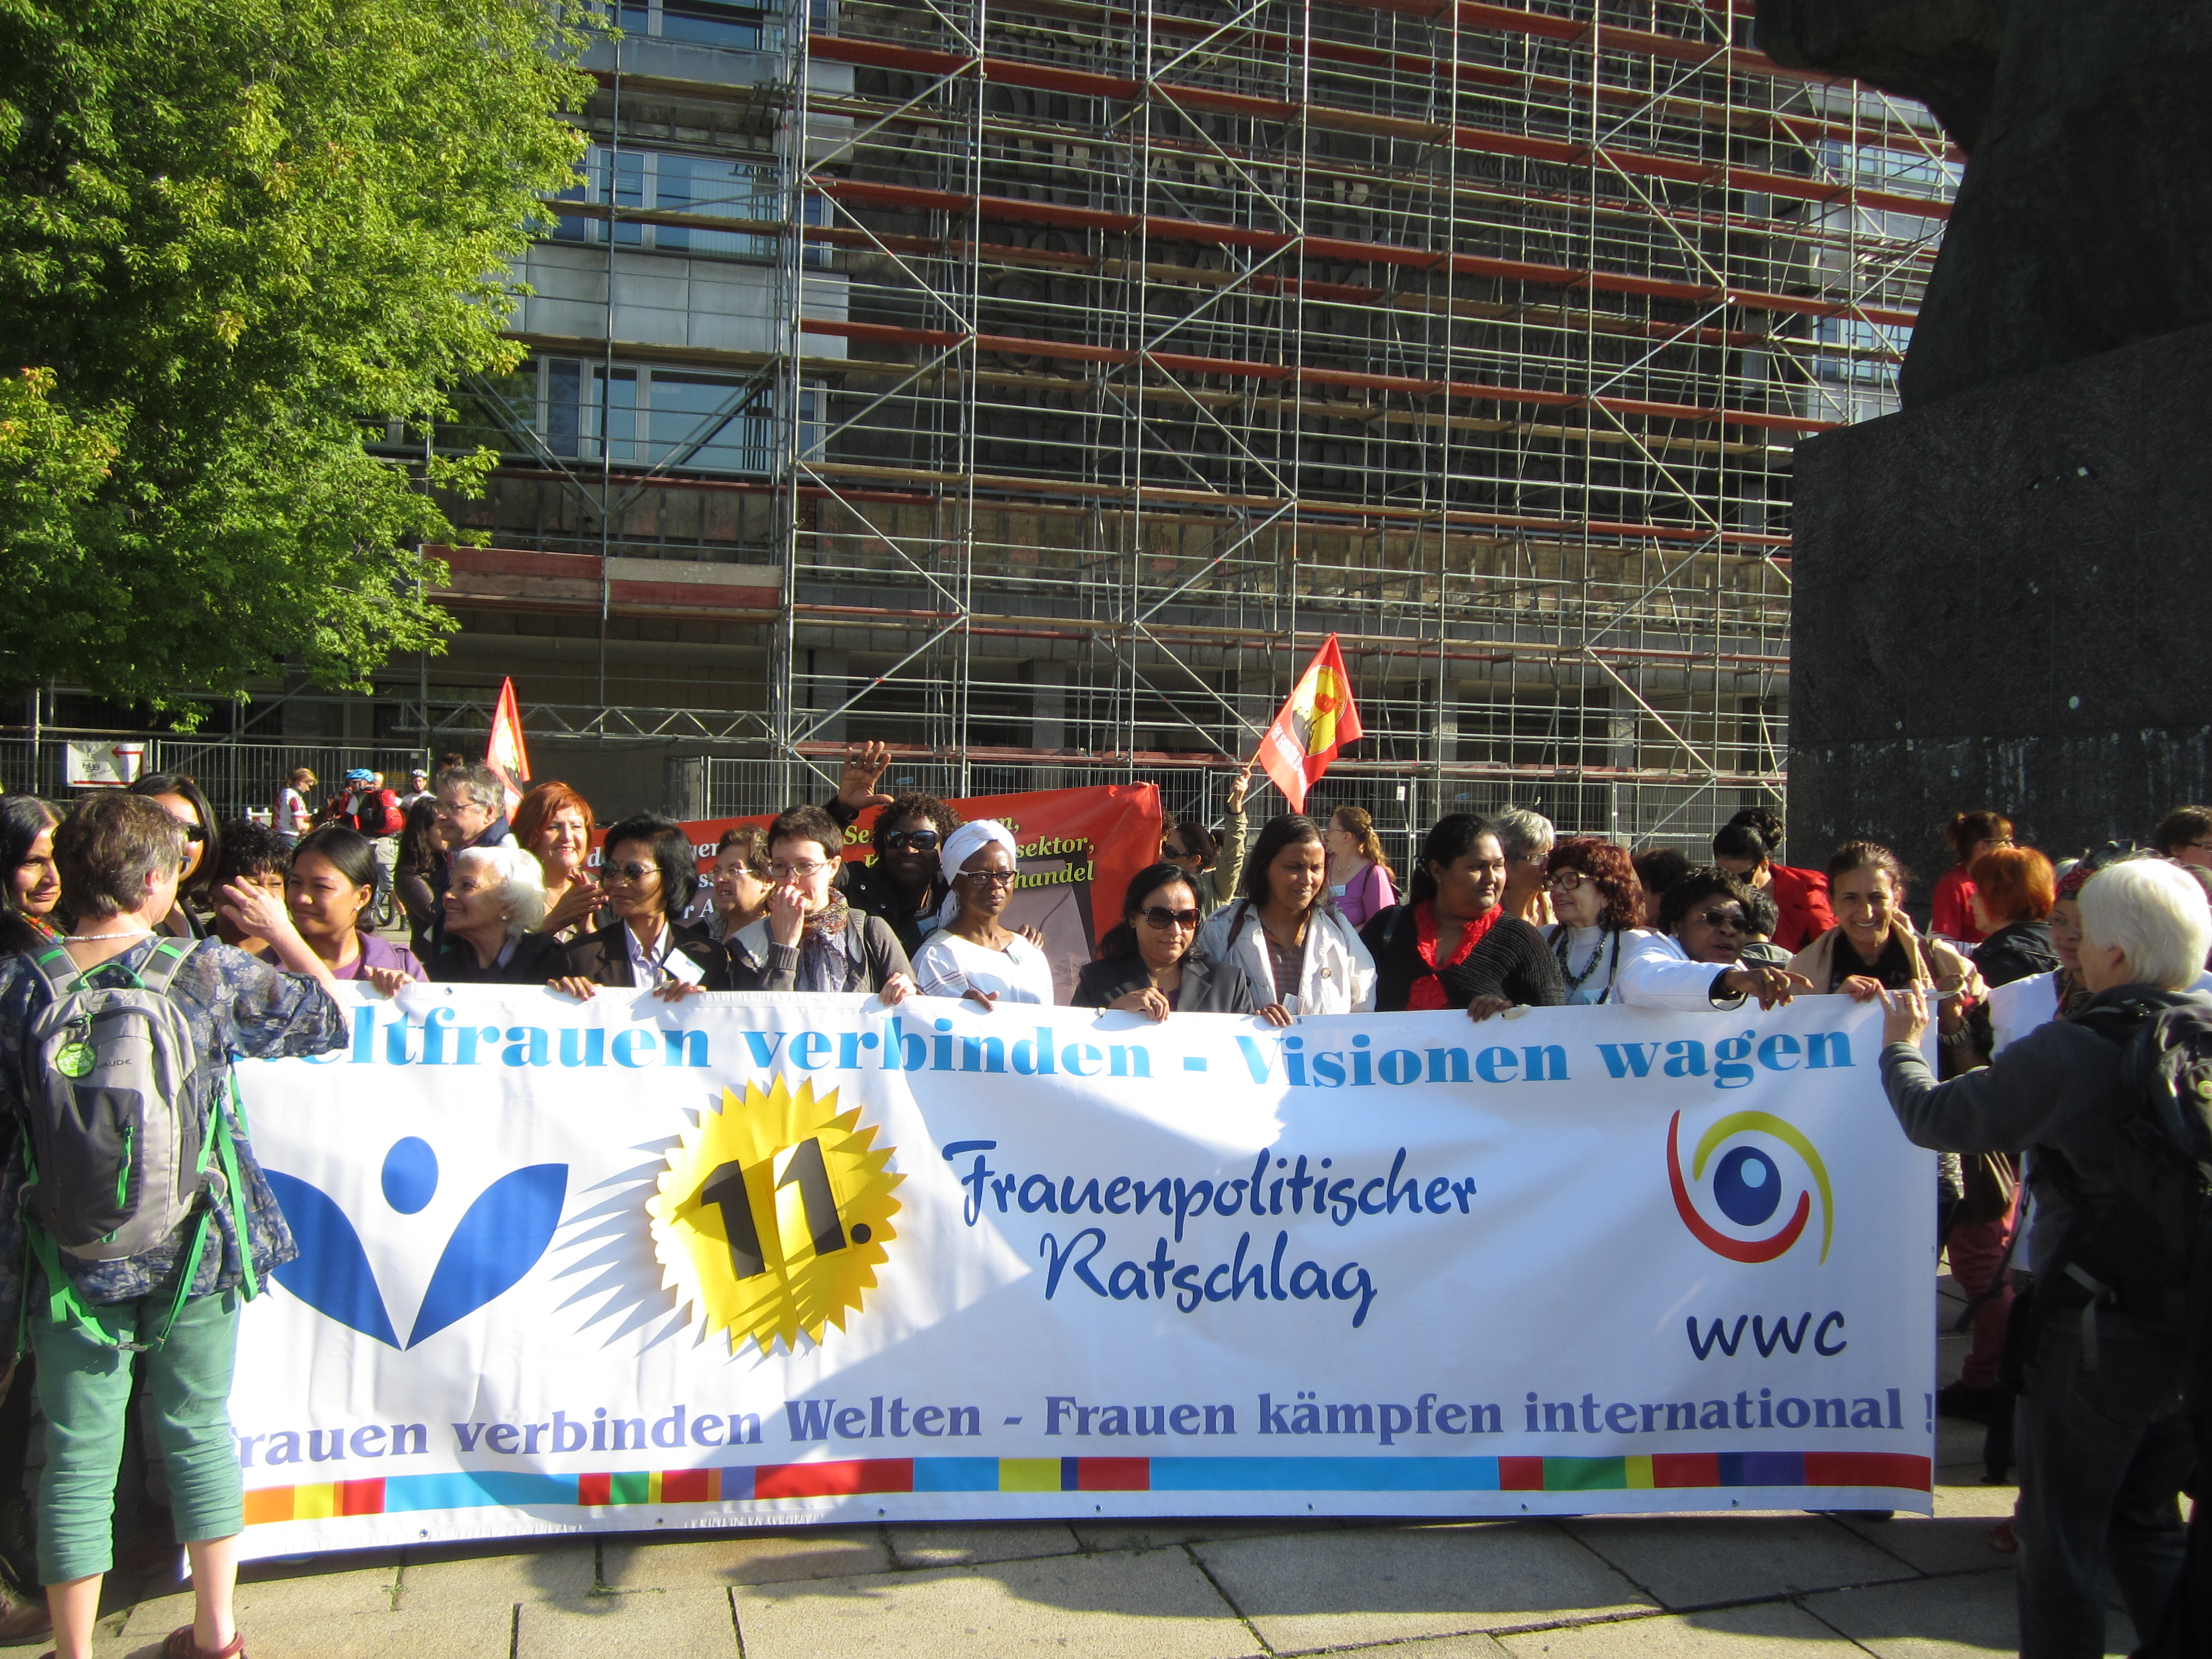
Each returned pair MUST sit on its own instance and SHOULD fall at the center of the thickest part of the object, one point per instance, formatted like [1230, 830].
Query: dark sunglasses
[1159, 916]
[615, 872]
[1734, 919]
[192, 831]
[912, 840]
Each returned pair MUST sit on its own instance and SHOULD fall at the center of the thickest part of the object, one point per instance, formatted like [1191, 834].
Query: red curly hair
[1609, 869]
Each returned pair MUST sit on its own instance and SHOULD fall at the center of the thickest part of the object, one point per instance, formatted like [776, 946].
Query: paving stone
[742, 1558]
[564, 1572]
[1949, 1618]
[693, 1623]
[485, 1633]
[1774, 1627]
[1945, 1543]
[1349, 1588]
[1694, 1561]
[952, 1547]
[1071, 1607]
[1970, 1497]
[1439, 1647]
[273, 1602]
[1102, 1536]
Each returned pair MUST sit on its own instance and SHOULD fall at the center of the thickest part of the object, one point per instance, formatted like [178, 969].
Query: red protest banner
[1079, 847]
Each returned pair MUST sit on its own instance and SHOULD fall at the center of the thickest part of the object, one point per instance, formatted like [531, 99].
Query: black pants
[2103, 1456]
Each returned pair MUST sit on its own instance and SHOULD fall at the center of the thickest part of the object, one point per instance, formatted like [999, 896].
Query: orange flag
[504, 753]
[1318, 720]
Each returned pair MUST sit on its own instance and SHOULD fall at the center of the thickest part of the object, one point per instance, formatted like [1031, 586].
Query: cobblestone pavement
[1658, 1586]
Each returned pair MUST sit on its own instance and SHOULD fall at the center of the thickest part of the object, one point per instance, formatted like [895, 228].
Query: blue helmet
[360, 774]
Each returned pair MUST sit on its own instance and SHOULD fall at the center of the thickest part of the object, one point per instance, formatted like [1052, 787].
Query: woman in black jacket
[1451, 945]
[649, 874]
[1148, 965]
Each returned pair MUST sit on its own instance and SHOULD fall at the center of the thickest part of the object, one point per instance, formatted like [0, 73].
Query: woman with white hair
[970, 955]
[2104, 1442]
[494, 897]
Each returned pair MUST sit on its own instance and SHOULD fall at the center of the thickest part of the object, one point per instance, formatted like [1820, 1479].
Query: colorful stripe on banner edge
[750, 1483]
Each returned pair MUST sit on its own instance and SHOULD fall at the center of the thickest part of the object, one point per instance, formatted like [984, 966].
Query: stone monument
[2002, 592]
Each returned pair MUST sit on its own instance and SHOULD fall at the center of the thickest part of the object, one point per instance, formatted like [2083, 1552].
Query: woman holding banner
[1453, 943]
[648, 876]
[811, 939]
[1301, 955]
[1148, 965]
[494, 897]
[970, 955]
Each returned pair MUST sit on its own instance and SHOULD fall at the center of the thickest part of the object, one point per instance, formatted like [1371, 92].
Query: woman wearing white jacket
[1692, 964]
[1300, 955]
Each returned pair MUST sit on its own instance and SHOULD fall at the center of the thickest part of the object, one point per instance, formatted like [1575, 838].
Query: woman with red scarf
[1451, 945]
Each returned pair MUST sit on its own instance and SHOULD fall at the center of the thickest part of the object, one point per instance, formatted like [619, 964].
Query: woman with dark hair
[2014, 891]
[1694, 962]
[1801, 897]
[1874, 947]
[1970, 835]
[811, 938]
[1453, 943]
[905, 882]
[1767, 821]
[1657, 868]
[1598, 902]
[554, 825]
[331, 882]
[1359, 872]
[1300, 956]
[181, 798]
[31, 888]
[1149, 965]
[1214, 863]
[419, 857]
[647, 876]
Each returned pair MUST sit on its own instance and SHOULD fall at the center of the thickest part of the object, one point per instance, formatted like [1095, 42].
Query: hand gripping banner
[630, 1265]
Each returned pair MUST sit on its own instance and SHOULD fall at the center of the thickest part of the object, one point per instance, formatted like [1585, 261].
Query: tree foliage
[236, 240]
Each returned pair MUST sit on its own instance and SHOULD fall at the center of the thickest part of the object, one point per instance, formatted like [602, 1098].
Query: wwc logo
[502, 1236]
[1748, 1186]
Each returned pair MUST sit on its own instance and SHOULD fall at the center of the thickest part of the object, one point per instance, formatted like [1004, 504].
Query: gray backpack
[116, 1156]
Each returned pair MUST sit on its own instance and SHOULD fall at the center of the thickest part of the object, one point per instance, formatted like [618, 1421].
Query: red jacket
[1951, 913]
[1802, 897]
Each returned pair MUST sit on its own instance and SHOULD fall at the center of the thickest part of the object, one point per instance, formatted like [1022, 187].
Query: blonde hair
[1357, 823]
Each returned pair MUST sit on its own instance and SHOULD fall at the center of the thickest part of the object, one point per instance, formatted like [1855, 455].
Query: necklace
[1574, 980]
[95, 939]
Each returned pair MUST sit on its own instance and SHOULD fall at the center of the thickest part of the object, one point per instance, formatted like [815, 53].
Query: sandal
[180, 1645]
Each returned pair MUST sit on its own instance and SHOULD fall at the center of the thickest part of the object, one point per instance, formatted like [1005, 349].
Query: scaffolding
[1081, 366]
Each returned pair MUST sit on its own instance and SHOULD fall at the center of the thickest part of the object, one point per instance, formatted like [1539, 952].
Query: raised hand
[864, 766]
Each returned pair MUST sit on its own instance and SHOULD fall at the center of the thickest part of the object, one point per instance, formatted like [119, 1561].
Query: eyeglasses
[990, 878]
[797, 871]
[1566, 881]
[1159, 916]
[912, 841]
[193, 832]
[615, 872]
[1734, 919]
[450, 809]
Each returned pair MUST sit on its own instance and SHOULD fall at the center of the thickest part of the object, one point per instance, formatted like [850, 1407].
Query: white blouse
[949, 966]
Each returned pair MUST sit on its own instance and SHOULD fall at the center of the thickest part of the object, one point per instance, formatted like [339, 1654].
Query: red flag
[504, 752]
[1318, 719]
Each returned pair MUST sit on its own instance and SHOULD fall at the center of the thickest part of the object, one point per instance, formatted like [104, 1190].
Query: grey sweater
[2058, 1086]
[756, 963]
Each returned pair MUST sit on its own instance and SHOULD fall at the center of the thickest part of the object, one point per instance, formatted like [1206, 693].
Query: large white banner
[773, 1259]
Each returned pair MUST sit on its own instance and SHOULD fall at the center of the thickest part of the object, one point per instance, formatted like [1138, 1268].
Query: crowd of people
[2029, 974]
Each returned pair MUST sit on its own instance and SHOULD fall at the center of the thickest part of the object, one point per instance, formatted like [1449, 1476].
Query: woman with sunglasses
[1147, 965]
[811, 938]
[647, 877]
[181, 798]
[1598, 900]
[969, 955]
[1694, 962]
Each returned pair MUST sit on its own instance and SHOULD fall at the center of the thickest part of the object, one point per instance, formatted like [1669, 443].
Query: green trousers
[84, 1389]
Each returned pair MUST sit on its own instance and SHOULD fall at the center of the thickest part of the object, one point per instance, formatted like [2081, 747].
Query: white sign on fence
[775, 1259]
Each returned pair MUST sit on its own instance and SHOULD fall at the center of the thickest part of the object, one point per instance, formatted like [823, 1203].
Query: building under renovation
[1034, 384]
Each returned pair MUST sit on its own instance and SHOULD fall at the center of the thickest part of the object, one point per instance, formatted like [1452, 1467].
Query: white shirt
[1657, 973]
[948, 966]
[650, 966]
[291, 813]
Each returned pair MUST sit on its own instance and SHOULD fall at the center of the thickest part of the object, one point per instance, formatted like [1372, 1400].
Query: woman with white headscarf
[970, 955]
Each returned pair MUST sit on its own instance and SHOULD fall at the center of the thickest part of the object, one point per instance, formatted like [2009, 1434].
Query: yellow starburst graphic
[774, 1214]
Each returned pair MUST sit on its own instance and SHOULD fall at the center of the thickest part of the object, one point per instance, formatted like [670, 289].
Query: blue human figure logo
[503, 1234]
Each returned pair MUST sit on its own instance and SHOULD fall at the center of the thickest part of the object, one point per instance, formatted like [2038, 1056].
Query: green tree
[236, 240]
